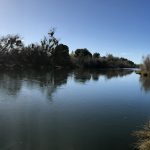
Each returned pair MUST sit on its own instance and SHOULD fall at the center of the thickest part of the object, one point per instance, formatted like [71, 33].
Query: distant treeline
[49, 53]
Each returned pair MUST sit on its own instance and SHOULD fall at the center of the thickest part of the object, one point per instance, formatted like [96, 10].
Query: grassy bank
[143, 137]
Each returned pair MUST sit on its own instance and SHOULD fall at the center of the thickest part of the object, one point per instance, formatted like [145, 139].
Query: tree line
[49, 53]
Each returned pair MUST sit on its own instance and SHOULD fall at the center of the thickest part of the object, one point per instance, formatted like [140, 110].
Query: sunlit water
[76, 110]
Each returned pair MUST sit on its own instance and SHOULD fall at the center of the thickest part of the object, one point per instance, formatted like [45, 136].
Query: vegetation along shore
[143, 137]
[49, 53]
[145, 67]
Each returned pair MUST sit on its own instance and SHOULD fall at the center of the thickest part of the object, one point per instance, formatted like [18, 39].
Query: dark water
[78, 110]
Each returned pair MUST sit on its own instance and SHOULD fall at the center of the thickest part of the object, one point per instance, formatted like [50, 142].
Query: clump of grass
[143, 138]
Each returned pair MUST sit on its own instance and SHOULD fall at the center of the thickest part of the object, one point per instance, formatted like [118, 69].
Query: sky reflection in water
[69, 110]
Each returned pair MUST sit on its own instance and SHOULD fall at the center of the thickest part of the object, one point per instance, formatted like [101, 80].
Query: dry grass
[143, 138]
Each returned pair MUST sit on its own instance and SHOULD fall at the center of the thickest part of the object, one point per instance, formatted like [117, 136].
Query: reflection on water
[145, 83]
[85, 75]
[11, 82]
[54, 111]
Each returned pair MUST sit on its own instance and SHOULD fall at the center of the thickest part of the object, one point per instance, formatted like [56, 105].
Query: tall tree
[10, 42]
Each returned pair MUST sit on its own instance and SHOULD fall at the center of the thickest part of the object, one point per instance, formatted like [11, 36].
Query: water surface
[72, 110]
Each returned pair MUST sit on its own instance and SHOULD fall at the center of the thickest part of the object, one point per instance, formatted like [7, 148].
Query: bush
[146, 63]
[83, 53]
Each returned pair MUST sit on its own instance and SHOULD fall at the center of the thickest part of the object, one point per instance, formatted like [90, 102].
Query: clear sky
[120, 27]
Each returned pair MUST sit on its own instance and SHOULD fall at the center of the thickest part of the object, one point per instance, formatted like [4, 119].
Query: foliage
[60, 55]
[50, 54]
[96, 61]
[9, 43]
[96, 55]
[146, 63]
[83, 53]
[48, 44]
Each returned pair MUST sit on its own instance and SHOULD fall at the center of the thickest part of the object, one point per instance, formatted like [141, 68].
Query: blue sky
[120, 27]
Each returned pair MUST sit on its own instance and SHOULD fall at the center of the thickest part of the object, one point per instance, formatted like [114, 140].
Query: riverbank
[143, 73]
[143, 137]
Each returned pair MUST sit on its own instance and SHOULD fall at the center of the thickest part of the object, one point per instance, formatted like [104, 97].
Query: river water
[72, 110]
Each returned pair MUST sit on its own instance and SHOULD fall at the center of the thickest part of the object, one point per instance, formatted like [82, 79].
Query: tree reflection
[86, 75]
[82, 75]
[145, 83]
[11, 82]
[114, 73]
